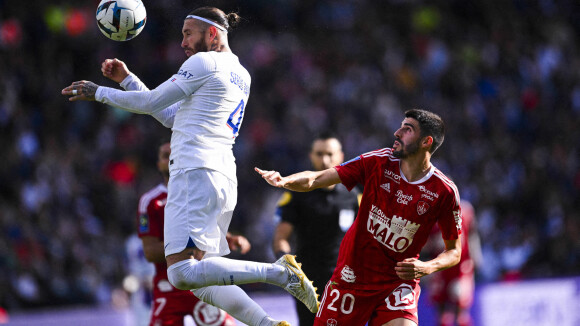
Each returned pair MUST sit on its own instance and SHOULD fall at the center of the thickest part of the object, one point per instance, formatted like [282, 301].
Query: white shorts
[200, 205]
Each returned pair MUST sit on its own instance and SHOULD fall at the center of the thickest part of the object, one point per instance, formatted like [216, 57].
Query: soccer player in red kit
[376, 279]
[171, 305]
[452, 289]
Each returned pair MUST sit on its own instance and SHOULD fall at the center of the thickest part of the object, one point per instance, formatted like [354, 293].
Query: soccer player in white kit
[204, 104]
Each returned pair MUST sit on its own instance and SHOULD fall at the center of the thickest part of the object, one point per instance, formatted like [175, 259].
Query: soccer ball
[121, 20]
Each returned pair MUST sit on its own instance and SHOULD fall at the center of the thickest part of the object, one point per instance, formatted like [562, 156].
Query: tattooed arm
[81, 90]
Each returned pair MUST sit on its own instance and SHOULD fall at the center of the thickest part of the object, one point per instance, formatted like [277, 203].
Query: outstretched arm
[117, 71]
[302, 181]
[412, 268]
[144, 102]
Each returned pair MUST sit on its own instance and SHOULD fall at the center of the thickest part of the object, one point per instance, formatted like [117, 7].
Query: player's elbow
[153, 102]
[456, 257]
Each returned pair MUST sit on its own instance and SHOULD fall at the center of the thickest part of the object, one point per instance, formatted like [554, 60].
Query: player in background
[376, 279]
[452, 290]
[203, 104]
[138, 281]
[170, 305]
[316, 221]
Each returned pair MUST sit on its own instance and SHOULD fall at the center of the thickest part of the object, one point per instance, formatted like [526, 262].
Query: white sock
[277, 275]
[236, 302]
[192, 274]
[269, 322]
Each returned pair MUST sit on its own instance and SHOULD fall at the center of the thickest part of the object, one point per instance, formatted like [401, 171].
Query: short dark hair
[325, 135]
[163, 140]
[228, 21]
[431, 125]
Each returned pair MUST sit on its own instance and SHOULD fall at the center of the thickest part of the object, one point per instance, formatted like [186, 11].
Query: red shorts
[354, 307]
[170, 308]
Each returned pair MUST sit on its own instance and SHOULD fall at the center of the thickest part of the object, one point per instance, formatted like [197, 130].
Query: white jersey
[203, 103]
[208, 120]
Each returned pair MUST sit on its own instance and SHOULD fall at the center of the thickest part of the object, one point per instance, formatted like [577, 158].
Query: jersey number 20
[239, 113]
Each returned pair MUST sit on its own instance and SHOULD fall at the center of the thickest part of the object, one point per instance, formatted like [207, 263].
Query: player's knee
[182, 276]
[177, 280]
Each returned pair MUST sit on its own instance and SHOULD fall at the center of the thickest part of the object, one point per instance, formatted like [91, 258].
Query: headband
[207, 21]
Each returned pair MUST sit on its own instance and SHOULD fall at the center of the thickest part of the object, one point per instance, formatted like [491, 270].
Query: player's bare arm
[280, 242]
[82, 90]
[238, 243]
[302, 181]
[153, 249]
[412, 268]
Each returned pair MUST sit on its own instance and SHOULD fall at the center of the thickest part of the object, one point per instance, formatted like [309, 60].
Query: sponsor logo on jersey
[386, 186]
[427, 197]
[395, 233]
[393, 176]
[208, 315]
[350, 161]
[428, 194]
[402, 298]
[347, 274]
[377, 214]
[457, 217]
[143, 223]
[402, 198]
[422, 207]
[331, 322]
[186, 74]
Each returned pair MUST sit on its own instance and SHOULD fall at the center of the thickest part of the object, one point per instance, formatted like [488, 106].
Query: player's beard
[406, 150]
[200, 47]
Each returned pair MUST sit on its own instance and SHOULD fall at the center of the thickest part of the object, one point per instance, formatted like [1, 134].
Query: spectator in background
[316, 221]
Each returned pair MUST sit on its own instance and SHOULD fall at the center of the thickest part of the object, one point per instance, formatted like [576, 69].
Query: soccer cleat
[298, 284]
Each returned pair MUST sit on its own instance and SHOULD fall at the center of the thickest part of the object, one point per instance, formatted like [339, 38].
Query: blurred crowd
[504, 75]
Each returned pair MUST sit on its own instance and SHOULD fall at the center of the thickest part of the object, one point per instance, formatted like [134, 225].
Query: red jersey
[151, 217]
[394, 220]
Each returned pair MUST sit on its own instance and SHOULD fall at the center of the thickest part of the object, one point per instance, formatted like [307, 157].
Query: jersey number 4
[237, 114]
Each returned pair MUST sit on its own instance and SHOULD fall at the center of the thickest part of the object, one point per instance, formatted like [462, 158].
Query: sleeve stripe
[148, 196]
[385, 152]
[450, 183]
